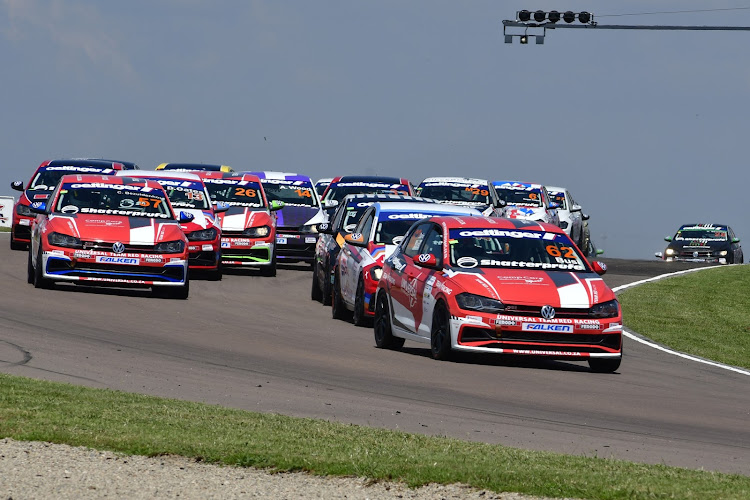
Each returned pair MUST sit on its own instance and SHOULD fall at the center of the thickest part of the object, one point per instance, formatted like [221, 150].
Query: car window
[433, 243]
[414, 243]
[365, 225]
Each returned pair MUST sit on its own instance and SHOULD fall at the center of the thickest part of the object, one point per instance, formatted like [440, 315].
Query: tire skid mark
[26, 355]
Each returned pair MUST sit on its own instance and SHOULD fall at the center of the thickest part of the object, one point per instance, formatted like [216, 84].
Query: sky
[647, 129]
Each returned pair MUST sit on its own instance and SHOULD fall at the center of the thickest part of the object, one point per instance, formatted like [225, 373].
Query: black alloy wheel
[440, 339]
[384, 338]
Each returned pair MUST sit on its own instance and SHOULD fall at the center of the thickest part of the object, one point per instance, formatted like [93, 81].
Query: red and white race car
[248, 227]
[495, 285]
[109, 230]
[188, 193]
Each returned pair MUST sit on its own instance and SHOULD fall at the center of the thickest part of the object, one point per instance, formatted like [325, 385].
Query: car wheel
[384, 338]
[39, 280]
[326, 288]
[29, 270]
[14, 245]
[217, 274]
[338, 309]
[440, 341]
[269, 270]
[607, 365]
[359, 317]
[315, 293]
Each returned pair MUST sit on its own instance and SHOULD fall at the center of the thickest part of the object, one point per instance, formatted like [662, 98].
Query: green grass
[4, 229]
[33, 410]
[706, 313]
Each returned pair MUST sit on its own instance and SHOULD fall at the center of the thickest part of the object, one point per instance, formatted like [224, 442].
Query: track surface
[261, 344]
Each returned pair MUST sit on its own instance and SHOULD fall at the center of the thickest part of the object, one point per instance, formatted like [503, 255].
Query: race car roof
[428, 208]
[456, 180]
[497, 223]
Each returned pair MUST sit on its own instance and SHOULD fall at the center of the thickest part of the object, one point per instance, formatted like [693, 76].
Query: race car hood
[295, 217]
[530, 213]
[201, 219]
[113, 228]
[241, 218]
[536, 288]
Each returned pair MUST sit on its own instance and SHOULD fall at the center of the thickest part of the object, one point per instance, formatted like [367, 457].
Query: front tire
[270, 270]
[338, 309]
[359, 316]
[29, 270]
[39, 280]
[606, 365]
[384, 338]
[326, 289]
[14, 245]
[315, 293]
[440, 341]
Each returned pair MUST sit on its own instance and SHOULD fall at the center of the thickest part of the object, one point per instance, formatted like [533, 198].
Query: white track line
[662, 348]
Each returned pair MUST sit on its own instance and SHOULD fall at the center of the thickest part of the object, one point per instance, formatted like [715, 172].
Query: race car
[497, 285]
[360, 262]
[465, 192]
[331, 237]
[572, 218]
[296, 223]
[192, 167]
[321, 185]
[703, 243]
[527, 201]
[188, 193]
[40, 186]
[109, 230]
[248, 227]
[359, 184]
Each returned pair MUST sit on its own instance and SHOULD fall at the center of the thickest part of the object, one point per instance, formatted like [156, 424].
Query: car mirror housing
[325, 228]
[735, 240]
[667, 238]
[585, 216]
[17, 185]
[599, 267]
[38, 207]
[426, 260]
[185, 217]
[277, 205]
[356, 239]
[330, 204]
[576, 208]
[659, 255]
[221, 206]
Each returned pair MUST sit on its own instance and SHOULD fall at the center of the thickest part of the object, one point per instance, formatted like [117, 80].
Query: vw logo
[118, 247]
[424, 257]
[548, 312]
[695, 254]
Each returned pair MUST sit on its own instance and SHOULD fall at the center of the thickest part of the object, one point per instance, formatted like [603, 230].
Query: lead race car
[495, 285]
[109, 230]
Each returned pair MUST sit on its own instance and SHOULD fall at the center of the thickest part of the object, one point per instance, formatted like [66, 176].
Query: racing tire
[606, 365]
[440, 336]
[315, 293]
[384, 338]
[172, 292]
[326, 290]
[14, 245]
[359, 317]
[269, 270]
[217, 274]
[29, 271]
[338, 309]
[39, 280]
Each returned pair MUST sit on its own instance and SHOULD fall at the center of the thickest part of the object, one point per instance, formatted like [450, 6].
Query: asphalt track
[261, 344]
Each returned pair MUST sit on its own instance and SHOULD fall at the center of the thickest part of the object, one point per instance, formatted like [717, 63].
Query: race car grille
[688, 254]
[586, 342]
[107, 247]
[202, 259]
[94, 270]
[536, 311]
[22, 232]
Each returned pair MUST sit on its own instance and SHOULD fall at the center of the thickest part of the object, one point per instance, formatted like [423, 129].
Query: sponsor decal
[129, 213]
[467, 262]
[81, 170]
[590, 327]
[310, 239]
[410, 290]
[546, 353]
[153, 259]
[207, 247]
[79, 254]
[500, 321]
[474, 319]
[398, 264]
[531, 265]
[106, 259]
[415, 216]
[226, 244]
[508, 234]
[546, 327]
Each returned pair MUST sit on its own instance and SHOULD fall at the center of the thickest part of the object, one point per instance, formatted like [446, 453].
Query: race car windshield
[391, 232]
[521, 197]
[190, 196]
[46, 180]
[339, 191]
[712, 234]
[236, 193]
[513, 249]
[112, 199]
[558, 198]
[467, 193]
[295, 193]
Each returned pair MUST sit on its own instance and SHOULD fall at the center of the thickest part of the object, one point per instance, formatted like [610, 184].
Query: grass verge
[706, 313]
[4, 229]
[33, 410]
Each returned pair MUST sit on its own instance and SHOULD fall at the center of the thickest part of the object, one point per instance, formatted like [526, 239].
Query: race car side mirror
[735, 240]
[599, 267]
[425, 260]
[221, 206]
[17, 185]
[324, 227]
[554, 205]
[185, 217]
[500, 204]
[576, 208]
[356, 239]
[659, 255]
[330, 204]
[667, 238]
[585, 216]
[276, 205]
[38, 207]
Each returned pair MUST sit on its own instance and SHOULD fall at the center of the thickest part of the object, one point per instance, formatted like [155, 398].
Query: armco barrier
[6, 210]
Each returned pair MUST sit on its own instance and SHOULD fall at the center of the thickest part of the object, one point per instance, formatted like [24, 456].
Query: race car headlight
[257, 232]
[177, 246]
[203, 235]
[376, 272]
[604, 310]
[24, 210]
[472, 302]
[723, 253]
[310, 228]
[669, 251]
[64, 240]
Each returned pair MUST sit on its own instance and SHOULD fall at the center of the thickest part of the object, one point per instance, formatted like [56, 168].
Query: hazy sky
[648, 129]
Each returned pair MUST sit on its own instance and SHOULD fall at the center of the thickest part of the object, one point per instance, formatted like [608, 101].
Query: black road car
[703, 243]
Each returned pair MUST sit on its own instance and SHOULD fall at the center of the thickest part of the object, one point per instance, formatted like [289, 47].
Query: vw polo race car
[109, 230]
[496, 285]
[703, 243]
[360, 184]
[188, 193]
[360, 262]
[331, 237]
[248, 226]
[465, 192]
[296, 222]
[572, 218]
[42, 182]
[527, 201]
